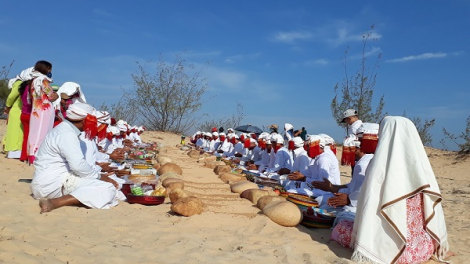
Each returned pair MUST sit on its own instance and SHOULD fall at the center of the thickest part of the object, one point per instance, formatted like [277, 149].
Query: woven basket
[302, 201]
[317, 220]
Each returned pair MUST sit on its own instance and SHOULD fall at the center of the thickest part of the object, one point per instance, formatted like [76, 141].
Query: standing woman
[42, 113]
[14, 135]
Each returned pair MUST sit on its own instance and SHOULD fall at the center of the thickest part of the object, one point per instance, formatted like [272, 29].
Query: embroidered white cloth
[400, 169]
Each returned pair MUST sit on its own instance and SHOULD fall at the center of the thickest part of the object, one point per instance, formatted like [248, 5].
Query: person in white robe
[344, 197]
[137, 137]
[224, 145]
[62, 176]
[266, 147]
[69, 93]
[214, 143]
[111, 143]
[323, 165]
[236, 149]
[288, 132]
[400, 171]
[283, 163]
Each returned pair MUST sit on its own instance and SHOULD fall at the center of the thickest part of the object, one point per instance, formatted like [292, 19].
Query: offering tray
[141, 199]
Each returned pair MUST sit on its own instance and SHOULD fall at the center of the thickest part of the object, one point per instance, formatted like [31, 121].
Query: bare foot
[46, 205]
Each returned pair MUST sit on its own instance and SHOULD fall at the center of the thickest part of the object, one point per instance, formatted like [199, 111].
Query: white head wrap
[122, 127]
[328, 140]
[113, 130]
[264, 135]
[298, 142]
[215, 134]
[252, 140]
[288, 127]
[222, 134]
[78, 111]
[25, 75]
[141, 128]
[313, 138]
[103, 117]
[277, 138]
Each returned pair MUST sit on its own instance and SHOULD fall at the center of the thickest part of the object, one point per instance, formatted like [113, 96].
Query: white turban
[215, 134]
[328, 140]
[252, 140]
[222, 134]
[298, 142]
[121, 122]
[313, 138]
[113, 130]
[277, 138]
[122, 127]
[103, 117]
[141, 128]
[208, 134]
[288, 127]
[264, 135]
[78, 111]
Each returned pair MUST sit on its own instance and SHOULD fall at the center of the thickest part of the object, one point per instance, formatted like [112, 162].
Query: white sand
[231, 229]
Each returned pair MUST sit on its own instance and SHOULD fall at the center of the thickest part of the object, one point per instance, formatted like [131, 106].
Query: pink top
[27, 106]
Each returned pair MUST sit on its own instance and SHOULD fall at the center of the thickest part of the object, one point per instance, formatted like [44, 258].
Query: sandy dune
[231, 229]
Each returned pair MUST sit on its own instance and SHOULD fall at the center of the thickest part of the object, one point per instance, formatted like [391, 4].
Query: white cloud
[101, 12]
[334, 34]
[368, 53]
[241, 57]
[293, 36]
[424, 56]
[318, 62]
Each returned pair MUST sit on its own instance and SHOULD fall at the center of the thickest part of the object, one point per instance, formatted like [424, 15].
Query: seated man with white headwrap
[345, 196]
[283, 163]
[323, 165]
[69, 93]
[62, 176]
[90, 149]
[137, 137]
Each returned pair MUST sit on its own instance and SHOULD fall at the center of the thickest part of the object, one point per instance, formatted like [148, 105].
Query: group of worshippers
[69, 142]
[390, 211]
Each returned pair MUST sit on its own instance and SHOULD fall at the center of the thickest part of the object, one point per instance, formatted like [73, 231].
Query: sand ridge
[230, 230]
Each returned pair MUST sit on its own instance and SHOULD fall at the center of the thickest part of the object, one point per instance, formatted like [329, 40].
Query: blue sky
[280, 59]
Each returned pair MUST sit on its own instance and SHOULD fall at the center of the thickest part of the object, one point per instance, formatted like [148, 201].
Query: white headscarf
[122, 127]
[298, 142]
[400, 169]
[113, 130]
[25, 75]
[78, 111]
[103, 117]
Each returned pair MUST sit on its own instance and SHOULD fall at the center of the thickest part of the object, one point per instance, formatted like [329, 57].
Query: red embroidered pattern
[342, 233]
[419, 247]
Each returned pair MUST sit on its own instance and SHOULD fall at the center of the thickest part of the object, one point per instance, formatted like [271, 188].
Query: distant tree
[122, 110]
[462, 141]
[168, 99]
[226, 122]
[4, 91]
[424, 129]
[357, 91]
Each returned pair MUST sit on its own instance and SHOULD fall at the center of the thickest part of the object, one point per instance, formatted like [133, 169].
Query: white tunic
[283, 160]
[301, 161]
[61, 169]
